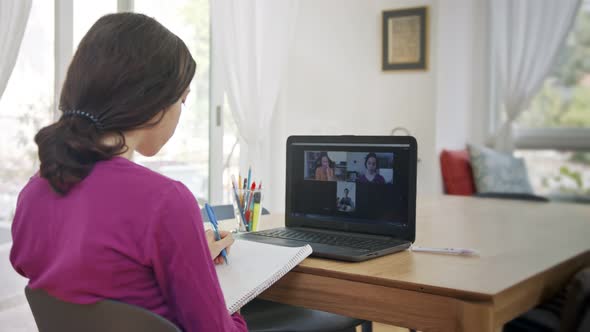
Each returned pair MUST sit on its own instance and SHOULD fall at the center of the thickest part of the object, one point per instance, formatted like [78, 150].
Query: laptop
[351, 198]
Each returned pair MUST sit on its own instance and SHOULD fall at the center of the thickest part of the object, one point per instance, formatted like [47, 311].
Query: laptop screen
[360, 186]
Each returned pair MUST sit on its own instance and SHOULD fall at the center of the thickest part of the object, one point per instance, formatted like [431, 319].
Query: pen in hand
[215, 225]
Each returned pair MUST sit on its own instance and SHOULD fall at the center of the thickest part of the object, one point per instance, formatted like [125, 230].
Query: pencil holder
[247, 209]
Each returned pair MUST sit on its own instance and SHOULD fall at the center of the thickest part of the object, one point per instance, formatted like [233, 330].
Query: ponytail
[69, 149]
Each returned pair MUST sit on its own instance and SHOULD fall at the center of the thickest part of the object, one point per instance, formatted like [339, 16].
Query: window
[186, 156]
[564, 100]
[553, 135]
[558, 172]
[25, 106]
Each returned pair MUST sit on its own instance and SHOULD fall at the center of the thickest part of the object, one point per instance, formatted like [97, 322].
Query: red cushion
[456, 172]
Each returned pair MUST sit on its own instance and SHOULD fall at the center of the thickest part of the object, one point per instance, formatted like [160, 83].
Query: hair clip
[86, 115]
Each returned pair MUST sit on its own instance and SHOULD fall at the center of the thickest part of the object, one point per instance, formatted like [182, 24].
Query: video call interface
[361, 184]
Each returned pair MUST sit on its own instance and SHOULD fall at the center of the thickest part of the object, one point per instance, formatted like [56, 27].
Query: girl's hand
[215, 247]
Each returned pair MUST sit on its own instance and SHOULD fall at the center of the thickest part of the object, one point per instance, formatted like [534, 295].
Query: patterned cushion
[496, 172]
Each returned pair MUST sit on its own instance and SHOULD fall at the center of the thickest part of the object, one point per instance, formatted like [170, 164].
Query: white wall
[454, 89]
[461, 103]
[334, 84]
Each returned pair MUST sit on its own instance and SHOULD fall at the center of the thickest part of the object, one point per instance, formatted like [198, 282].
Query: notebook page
[253, 267]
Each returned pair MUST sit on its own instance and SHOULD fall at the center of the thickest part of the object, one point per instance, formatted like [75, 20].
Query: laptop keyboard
[329, 239]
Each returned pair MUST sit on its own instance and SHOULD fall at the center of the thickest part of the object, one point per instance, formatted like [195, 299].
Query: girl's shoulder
[125, 169]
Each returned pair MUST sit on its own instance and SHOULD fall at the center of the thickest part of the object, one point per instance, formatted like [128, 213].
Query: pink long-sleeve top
[124, 233]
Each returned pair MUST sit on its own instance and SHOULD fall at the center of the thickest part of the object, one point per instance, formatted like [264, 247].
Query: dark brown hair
[126, 70]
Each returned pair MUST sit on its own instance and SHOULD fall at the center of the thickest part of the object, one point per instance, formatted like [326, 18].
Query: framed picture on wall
[405, 39]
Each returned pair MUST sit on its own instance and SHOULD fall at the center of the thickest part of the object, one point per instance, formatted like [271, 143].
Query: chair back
[223, 212]
[567, 311]
[576, 311]
[54, 315]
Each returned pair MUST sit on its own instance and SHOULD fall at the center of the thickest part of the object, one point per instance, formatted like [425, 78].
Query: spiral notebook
[253, 267]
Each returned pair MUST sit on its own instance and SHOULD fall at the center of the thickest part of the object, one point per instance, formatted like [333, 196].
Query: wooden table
[528, 251]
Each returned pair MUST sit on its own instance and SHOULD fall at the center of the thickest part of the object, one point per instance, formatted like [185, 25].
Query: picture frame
[405, 39]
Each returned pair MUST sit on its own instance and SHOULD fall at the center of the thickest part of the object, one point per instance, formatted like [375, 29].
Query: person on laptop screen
[345, 203]
[371, 174]
[325, 171]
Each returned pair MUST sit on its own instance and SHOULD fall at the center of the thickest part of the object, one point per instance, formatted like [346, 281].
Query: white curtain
[252, 39]
[14, 15]
[526, 37]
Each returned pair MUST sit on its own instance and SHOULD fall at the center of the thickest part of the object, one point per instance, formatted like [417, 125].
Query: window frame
[561, 139]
